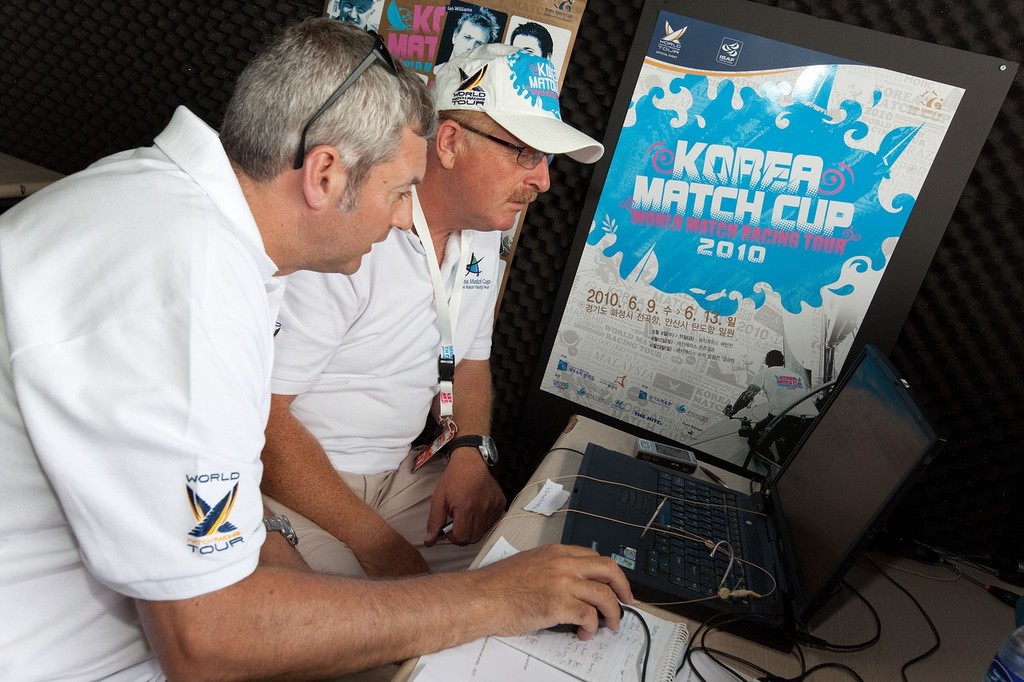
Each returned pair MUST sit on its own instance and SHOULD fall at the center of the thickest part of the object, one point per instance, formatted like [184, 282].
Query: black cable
[789, 408]
[825, 666]
[565, 448]
[647, 648]
[711, 653]
[935, 632]
[717, 621]
[810, 640]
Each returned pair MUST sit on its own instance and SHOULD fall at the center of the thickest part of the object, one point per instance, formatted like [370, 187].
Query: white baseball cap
[519, 91]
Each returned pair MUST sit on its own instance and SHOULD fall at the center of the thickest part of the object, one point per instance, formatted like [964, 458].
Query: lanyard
[447, 321]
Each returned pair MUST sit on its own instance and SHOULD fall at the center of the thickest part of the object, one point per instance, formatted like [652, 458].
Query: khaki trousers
[402, 498]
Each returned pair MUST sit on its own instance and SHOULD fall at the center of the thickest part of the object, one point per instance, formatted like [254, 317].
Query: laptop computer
[797, 539]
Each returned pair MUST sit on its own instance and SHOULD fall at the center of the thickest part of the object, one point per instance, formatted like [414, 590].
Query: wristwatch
[280, 523]
[488, 450]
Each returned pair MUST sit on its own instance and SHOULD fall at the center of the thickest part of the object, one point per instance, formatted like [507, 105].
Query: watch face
[489, 451]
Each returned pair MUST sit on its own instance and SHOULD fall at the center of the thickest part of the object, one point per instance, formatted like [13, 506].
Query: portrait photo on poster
[467, 26]
[362, 13]
[539, 38]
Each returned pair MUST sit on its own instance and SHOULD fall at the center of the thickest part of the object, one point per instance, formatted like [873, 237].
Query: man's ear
[447, 143]
[324, 177]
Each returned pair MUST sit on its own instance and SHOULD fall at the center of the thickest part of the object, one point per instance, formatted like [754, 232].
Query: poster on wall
[425, 35]
[755, 198]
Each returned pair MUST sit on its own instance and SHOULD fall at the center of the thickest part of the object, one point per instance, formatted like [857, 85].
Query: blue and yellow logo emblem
[211, 519]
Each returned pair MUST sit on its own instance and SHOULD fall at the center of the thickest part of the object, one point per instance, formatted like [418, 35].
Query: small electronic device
[669, 456]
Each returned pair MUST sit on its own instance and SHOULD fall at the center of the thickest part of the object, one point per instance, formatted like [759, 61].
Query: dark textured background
[80, 79]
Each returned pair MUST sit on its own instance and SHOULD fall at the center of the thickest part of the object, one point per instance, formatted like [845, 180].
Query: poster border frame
[985, 80]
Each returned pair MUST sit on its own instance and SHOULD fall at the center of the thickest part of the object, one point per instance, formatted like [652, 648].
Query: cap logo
[536, 81]
[470, 92]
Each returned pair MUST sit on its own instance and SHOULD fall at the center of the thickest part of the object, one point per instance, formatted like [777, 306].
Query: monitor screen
[869, 439]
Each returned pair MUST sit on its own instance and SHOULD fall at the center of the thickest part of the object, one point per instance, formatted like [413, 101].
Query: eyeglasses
[528, 157]
[379, 52]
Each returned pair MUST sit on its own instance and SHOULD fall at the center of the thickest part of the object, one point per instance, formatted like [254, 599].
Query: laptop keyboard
[686, 562]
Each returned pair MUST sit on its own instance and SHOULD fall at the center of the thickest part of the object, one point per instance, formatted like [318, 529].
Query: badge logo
[729, 52]
[211, 519]
[672, 35]
[470, 92]
[669, 44]
[473, 266]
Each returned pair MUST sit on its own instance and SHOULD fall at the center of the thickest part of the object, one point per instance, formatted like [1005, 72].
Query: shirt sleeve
[149, 428]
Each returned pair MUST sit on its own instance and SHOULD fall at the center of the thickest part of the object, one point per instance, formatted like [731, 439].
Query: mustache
[524, 196]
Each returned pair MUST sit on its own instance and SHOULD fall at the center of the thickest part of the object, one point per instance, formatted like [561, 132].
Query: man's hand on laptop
[559, 584]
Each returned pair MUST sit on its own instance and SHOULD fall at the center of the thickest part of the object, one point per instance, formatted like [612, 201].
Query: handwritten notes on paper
[610, 656]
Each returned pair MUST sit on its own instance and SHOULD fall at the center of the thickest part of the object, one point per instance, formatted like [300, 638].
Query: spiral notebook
[611, 656]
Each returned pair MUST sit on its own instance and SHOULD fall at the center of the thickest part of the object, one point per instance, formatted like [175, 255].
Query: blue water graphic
[771, 120]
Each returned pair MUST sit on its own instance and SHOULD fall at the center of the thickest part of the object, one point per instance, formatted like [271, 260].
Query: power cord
[935, 632]
[818, 643]
[647, 645]
[717, 656]
[713, 623]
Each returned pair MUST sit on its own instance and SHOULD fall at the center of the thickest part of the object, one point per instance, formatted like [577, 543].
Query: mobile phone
[669, 456]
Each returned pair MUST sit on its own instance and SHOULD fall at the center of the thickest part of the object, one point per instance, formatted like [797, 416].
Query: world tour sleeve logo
[213, 531]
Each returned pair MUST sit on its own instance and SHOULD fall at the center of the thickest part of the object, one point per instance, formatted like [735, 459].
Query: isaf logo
[729, 52]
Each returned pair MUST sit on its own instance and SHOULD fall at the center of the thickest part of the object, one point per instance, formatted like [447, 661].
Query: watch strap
[281, 524]
[484, 444]
[465, 441]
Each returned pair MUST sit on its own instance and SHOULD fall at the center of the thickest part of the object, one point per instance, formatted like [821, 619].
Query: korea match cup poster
[755, 197]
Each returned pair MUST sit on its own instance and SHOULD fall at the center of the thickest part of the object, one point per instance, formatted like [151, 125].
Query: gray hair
[282, 87]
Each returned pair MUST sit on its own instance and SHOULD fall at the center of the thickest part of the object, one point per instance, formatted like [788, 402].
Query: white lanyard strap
[447, 308]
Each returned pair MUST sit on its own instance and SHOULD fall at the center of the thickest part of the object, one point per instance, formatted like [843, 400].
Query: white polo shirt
[360, 351]
[136, 314]
[780, 388]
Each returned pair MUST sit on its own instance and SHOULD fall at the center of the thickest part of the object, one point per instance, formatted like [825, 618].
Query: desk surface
[970, 622]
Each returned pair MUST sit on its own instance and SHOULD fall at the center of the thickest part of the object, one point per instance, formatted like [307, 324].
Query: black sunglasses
[379, 52]
[527, 157]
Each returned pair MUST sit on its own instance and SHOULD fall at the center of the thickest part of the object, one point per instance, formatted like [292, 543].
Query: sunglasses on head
[379, 52]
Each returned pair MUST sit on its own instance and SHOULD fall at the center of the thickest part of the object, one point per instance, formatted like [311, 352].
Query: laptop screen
[845, 476]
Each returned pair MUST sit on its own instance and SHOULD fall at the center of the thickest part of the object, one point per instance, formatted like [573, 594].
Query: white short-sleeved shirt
[137, 307]
[780, 388]
[360, 351]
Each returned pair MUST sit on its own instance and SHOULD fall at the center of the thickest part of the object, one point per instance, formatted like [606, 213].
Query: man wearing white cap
[362, 360]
